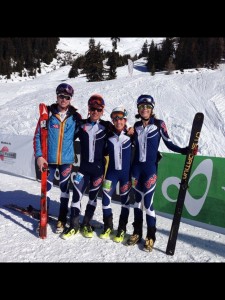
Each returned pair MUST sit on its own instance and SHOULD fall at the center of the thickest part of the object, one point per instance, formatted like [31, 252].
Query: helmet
[65, 88]
[146, 99]
[96, 100]
[119, 109]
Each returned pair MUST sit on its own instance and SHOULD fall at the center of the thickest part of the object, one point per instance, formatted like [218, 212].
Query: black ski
[193, 143]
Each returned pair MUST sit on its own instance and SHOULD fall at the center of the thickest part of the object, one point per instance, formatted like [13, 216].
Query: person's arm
[168, 142]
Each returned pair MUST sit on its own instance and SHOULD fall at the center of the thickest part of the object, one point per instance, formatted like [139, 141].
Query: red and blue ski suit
[144, 166]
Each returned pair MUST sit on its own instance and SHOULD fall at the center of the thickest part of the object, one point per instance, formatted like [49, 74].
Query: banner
[16, 155]
[205, 197]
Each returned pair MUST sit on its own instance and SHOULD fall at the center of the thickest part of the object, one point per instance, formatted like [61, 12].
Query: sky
[178, 97]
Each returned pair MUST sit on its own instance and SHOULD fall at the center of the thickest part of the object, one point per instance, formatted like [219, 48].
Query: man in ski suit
[119, 151]
[92, 134]
[147, 135]
[62, 124]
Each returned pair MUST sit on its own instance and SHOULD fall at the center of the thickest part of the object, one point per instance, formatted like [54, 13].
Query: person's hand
[130, 131]
[184, 150]
[42, 164]
[193, 151]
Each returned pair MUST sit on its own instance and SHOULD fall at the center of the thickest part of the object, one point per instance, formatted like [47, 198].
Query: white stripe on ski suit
[118, 141]
[140, 204]
[142, 139]
[92, 132]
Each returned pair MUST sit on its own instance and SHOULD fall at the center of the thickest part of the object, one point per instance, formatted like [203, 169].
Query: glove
[193, 151]
[184, 150]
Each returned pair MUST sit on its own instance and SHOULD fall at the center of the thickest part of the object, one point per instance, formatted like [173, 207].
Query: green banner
[205, 197]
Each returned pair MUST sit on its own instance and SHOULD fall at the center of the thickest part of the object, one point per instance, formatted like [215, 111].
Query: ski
[29, 211]
[193, 143]
[44, 174]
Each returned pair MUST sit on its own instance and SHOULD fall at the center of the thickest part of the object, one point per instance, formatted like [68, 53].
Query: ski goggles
[61, 96]
[95, 100]
[145, 106]
[94, 109]
[145, 100]
[65, 88]
[117, 116]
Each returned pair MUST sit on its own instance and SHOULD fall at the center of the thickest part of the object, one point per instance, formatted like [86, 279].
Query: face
[63, 100]
[95, 113]
[145, 110]
[118, 121]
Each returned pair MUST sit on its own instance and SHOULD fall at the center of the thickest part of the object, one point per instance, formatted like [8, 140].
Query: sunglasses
[94, 109]
[144, 106]
[117, 118]
[61, 96]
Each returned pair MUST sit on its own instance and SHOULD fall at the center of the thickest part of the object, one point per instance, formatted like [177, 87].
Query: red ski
[44, 174]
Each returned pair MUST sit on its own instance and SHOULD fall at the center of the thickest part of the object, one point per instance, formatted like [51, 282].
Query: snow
[178, 97]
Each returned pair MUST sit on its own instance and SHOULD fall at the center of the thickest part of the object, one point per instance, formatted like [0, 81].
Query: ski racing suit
[144, 170]
[92, 136]
[119, 151]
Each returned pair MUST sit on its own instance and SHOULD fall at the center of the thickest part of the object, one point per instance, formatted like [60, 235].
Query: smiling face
[95, 112]
[119, 121]
[145, 111]
[63, 101]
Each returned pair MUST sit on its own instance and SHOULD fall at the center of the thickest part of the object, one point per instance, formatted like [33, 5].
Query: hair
[138, 116]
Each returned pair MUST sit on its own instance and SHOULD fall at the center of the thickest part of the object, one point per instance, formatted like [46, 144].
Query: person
[119, 150]
[92, 134]
[147, 135]
[62, 123]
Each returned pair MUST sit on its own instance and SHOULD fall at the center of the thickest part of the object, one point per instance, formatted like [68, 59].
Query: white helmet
[120, 109]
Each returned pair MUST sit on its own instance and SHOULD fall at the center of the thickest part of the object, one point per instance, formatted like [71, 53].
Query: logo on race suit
[66, 171]
[151, 181]
[4, 153]
[163, 125]
[125, 187]
[98, 181]
[192, 205]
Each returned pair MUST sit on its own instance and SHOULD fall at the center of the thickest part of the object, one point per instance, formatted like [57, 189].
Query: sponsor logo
[4, 153]
[151, 181]
[98, 181]
[125, 187]
[55, 126]
[192, 204]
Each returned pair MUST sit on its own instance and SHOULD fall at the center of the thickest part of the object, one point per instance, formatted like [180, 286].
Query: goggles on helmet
[64, 88]
[146, 99]
[96, 100]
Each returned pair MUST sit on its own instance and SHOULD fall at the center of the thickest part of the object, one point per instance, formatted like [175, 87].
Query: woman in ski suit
[119, 151]
[92, 134]
[147, 135]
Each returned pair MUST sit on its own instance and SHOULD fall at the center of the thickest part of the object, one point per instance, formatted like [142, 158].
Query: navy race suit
[119, 151]
[144, 166]
[92, 136]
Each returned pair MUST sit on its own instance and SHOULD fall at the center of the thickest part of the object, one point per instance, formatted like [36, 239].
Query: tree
[93, 65]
